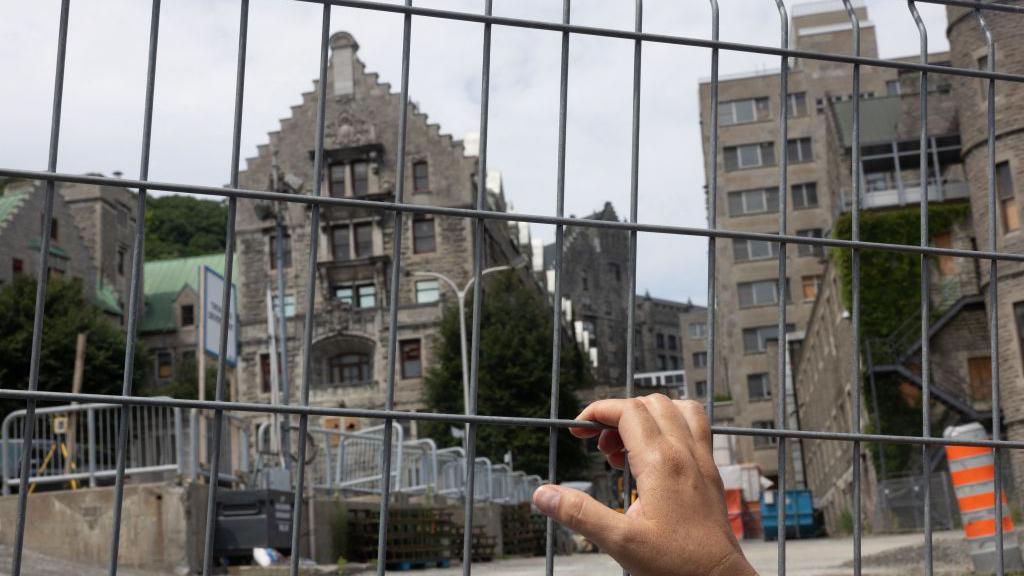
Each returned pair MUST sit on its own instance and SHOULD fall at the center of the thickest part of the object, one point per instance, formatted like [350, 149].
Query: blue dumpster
[799, 514]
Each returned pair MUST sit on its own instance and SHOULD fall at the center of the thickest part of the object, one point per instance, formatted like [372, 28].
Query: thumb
[581, 513]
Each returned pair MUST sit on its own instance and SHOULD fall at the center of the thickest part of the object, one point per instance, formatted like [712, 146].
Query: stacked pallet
[522, 531]
[417, 537]
[484, 545]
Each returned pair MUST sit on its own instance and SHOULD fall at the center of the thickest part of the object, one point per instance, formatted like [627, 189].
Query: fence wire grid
[32, 396]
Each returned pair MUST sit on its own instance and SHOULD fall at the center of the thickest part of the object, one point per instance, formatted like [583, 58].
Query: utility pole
[279, 217]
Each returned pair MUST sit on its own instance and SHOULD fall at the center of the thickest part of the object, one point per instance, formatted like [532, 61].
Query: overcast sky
[106, 67]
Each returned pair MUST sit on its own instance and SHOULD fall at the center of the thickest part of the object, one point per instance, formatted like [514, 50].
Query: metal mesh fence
[388, 415]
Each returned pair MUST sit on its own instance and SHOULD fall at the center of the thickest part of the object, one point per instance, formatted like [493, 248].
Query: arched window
[349, 369]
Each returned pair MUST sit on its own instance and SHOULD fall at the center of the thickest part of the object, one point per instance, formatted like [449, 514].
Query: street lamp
[461, 295]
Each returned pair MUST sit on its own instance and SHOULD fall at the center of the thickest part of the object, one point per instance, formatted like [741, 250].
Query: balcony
[943, 191]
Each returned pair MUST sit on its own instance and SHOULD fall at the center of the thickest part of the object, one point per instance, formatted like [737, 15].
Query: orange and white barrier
[972, 471]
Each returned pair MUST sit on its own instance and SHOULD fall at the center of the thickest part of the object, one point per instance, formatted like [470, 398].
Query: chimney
[343, 54]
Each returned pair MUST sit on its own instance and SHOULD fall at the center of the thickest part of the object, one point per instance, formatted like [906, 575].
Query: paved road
[817, 557]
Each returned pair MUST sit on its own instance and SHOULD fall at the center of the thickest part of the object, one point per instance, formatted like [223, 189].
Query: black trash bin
[248, 519]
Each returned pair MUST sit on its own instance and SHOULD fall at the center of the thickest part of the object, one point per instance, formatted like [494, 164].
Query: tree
[514, 378]
[178, 226]
[66, 315]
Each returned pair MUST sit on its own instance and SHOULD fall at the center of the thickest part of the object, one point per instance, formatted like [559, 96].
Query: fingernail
[546, 499]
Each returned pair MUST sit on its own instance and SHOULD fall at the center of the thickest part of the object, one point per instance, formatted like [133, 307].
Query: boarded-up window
[979, 373]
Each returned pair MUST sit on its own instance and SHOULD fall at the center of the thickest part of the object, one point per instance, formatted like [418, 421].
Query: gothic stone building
[349, 350]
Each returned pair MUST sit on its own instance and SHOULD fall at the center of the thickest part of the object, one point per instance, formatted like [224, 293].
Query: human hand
[678, 525]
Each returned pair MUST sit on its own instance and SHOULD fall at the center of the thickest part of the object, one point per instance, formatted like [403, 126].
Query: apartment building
[748, 188]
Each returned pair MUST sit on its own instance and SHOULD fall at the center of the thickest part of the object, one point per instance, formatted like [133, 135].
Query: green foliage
[890, 281]
[67, 314]
[890, 295]
[179, 226]
[514, 378]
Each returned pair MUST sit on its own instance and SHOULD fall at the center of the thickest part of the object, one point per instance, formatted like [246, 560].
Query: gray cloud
[103, 104]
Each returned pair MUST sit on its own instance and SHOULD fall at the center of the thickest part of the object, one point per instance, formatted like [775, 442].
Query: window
[764, 441]
[338, 174]
[360, 178]
[364, 239]
[983, 82]
[265, 380]
[423, 239]
[804, 195]
[427, 291]
[120, 261]
[760, 293]
[341, 243]
[588, 327]
[287, 245]
[700, 359]
[53, 229]
[660, 339]
[367, 296]
[876, 181]
[892, 87]
[811, 285]
[749, 156]
[188, 315]
[810, 249]
[797, 104]
[586, 285]
[743, 111]
[350, 369]
[698, 330]
[749, 202]
[17, 266]
[674, 360]
[755, 340]
[947, 264]
[671, 341]
[799, 151]
[420, 177]
[1007, 198]
[746, 250]
[412, 365]
[614, 271]
[662, 365]
[343, 294]
[700, 388]
[979, 373]
[758, 387]
[164, 365]
[289, 305]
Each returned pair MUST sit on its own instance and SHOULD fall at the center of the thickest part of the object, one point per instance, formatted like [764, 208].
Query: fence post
[6, 440]
[179, 449]
[194, 438]
[90, 423]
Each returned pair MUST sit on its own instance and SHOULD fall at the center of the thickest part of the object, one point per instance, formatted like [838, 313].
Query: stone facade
[21, 209]
[968, 50]
[349, 361]
[105, 215]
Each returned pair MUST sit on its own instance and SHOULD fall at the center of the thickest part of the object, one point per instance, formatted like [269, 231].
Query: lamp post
[460, 294]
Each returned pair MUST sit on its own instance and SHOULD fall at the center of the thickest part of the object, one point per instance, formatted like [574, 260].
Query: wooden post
[76, 388]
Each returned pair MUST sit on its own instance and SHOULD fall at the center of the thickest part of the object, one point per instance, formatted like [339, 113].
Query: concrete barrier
[76, 525]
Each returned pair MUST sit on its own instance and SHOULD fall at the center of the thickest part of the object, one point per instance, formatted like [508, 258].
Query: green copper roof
[9, 205]
[164, 280]
[33, 244]
[106, 299]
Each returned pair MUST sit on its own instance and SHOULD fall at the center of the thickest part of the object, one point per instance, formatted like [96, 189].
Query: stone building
[21, 209]
[105, 216]
[349, 361]
[595, 264]
[968, 50]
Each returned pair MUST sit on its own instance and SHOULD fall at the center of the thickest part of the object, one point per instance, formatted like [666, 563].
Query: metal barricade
[78, 442]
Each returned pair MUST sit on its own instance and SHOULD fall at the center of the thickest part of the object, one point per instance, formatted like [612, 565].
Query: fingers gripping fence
[403, 465]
